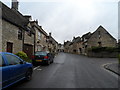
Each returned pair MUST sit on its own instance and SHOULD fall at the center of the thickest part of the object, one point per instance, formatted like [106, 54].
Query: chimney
[73, 37]
[36, 21]
[15, 4]
[50, 34]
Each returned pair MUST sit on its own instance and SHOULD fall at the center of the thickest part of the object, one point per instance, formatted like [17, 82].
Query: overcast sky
[68, 18]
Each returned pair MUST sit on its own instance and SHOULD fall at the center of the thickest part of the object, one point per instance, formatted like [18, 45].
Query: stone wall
[103, 54]
[40, 41]
[10, 34]
[29, 39]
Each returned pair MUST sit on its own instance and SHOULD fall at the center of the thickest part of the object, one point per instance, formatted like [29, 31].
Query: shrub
[23, 56]
[110, 49]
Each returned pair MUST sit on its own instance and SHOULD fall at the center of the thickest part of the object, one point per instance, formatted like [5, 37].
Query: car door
[5, 81]
[17, 70]
[0, 72]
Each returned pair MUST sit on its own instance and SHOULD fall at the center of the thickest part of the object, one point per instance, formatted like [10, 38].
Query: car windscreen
[40, 53]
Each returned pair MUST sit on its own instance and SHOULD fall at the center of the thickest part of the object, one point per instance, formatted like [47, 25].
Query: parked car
[42, 57]
[13, 69]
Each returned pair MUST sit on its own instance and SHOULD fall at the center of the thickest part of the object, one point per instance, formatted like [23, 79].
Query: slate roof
[105, 30]
[38, 27]
[87, 35]
[68, 43]
[13, 16]
[76, 40]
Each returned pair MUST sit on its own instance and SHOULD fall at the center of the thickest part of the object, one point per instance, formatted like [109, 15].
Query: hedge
[23, 56]
[108, 49]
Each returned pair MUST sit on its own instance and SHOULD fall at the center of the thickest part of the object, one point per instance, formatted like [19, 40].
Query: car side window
[2, 63]
[12, 60]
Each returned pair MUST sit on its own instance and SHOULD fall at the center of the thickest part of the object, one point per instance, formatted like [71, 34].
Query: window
[39, 35]
[45, 38]
[99, 34]
[1, 61]
[12, 60]
[20, 34]
[29, 31]
[99, 44]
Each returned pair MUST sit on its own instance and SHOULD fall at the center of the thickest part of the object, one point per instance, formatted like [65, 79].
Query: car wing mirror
[22, 62]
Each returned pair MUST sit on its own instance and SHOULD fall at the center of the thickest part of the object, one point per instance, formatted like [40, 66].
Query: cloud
[68, 18]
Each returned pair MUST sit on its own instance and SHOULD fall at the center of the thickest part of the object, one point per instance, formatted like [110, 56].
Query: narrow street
[72, 71]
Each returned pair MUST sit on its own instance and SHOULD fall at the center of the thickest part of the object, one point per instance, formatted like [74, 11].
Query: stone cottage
[52, 44]
[100, 38]
[17, 34]
[84, 43]
[67, 46]
[41, 36]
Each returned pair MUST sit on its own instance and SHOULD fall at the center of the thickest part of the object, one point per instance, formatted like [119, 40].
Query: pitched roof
[87, 35]
[101, 27]
[13, 16]
[68, 43]
[76, 40]
[35, 24]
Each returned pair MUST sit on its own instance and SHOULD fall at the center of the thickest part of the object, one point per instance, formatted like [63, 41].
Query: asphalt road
[72, 71]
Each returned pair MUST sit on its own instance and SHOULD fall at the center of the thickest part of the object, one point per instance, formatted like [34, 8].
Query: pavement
[113, 67]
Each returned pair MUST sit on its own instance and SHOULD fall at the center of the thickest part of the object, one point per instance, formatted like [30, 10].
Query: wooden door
[28, 49]
[9, 47]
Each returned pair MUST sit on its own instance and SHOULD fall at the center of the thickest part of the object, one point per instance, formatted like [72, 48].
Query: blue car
[13, 69]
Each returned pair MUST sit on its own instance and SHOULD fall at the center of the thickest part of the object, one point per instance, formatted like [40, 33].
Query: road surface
[72, 71]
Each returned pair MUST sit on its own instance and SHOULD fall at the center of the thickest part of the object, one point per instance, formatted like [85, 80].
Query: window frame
[29, 32]
[20, 34]
[39, 35]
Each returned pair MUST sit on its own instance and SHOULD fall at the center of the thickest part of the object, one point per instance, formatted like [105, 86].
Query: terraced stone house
[17, 34]
[99, 38]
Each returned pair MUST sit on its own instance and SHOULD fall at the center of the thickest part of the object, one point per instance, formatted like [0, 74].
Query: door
[9, 47]
[28, 49]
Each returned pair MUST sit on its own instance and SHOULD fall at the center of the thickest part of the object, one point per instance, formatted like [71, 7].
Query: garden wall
[102, 54]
